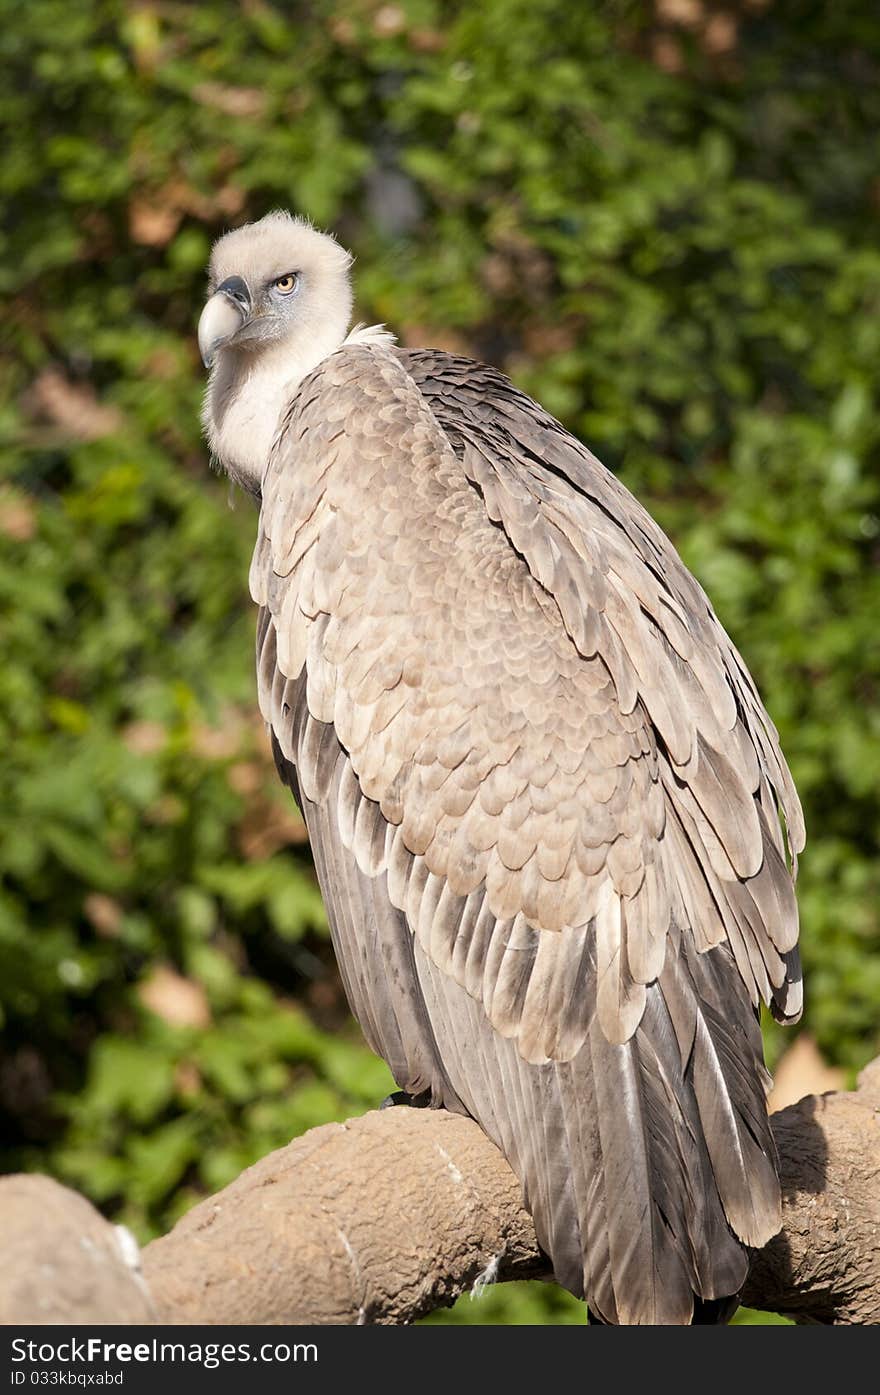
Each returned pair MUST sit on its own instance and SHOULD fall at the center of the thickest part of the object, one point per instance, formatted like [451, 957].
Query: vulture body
[552, 825]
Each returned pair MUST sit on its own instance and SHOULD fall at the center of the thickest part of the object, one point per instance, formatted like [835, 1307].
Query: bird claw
[400, 1097]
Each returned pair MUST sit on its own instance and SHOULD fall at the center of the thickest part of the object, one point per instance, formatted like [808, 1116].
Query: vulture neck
[247, 392]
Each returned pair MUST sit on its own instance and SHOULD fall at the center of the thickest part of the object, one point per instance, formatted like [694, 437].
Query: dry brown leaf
[388, 21]
[438, 336]
[268, 826]
[666, 53]
[151, 222]
[177, 1000]
[187, 1078]
[246, 776]
[144, 738]
[18, 517]
[687, 13]
[248, 102]
[229, 199]
[343, 31]
[104, 913]
[167, 809]
[427, 40]
[73, 406]
[720, 34]
[803, 1071]
[541, 340]
[163, 364]
[222, 741]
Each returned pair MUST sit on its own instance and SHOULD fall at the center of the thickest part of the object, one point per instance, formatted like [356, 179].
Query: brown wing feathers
[644, 608]
[538, 781]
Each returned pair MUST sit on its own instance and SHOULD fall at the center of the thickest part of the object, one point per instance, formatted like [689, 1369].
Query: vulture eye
[286, 283]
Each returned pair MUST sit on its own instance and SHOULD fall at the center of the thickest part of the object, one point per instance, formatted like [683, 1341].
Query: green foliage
[523, 1304]
[517, 1304]
[667, 232]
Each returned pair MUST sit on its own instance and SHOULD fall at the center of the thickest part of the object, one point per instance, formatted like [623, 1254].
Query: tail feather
[647, 1164]
[728, 1080]
[589, 1267]
[645, 1187]
[718, 1261]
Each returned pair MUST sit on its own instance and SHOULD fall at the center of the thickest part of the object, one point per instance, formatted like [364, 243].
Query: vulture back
[551, 821]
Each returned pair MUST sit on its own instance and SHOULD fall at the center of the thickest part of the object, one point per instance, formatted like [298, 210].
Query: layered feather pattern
[543, 797]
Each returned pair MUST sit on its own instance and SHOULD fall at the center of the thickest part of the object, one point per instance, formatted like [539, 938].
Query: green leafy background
[660, 218]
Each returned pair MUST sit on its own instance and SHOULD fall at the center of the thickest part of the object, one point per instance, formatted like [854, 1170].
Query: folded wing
[543, 796]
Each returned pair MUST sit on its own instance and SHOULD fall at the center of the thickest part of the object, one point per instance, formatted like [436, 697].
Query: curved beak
[227, 311]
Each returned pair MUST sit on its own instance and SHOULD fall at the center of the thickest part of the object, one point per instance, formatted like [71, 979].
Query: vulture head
[279, 302]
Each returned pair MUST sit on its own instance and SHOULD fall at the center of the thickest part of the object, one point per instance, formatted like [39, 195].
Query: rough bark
[386, 1217]
[380, 1219]
[824, 1266]
[62, 1262]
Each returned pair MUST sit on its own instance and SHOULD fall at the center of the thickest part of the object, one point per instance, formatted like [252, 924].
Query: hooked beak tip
[224, 314]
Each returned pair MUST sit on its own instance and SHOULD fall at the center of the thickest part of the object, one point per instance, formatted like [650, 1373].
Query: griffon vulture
[553, 828]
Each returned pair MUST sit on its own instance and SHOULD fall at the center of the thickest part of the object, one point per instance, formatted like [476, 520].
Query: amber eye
[285, 284]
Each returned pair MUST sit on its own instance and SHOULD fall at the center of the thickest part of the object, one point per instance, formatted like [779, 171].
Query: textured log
[381, 1219]
[386, 1217]
[824, 1266]
[62, 1262]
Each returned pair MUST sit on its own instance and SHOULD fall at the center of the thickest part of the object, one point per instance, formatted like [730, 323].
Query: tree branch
[380, 1219]
[824, 1265]
[386, 1217]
